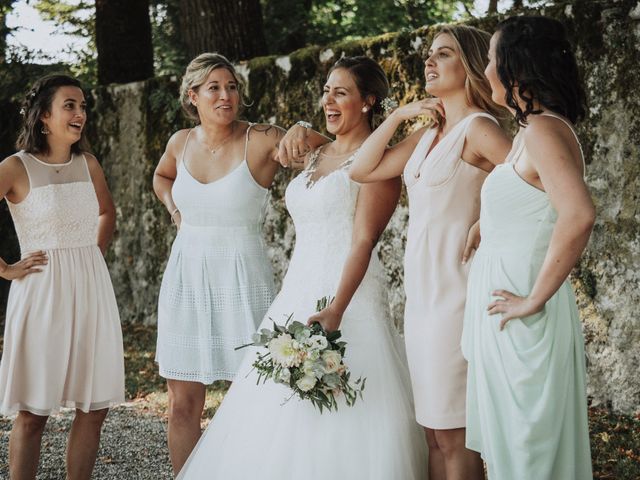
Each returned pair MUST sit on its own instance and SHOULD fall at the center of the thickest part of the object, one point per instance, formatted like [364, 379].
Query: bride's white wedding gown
[254, 435]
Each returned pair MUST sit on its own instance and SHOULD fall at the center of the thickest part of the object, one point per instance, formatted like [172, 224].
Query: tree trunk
[231, 27]
[5, 9]
[123, 41]
[493, 7]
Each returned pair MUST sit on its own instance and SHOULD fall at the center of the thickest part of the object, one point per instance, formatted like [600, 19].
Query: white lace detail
[184, 298]
[57, 216]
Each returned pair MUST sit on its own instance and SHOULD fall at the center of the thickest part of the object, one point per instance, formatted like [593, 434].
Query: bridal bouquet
[308, 360]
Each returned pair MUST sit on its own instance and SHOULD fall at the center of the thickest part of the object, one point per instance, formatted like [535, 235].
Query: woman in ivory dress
[338, 222]
[526, 398]
[214, 180]
[443, 167]
[62, 342]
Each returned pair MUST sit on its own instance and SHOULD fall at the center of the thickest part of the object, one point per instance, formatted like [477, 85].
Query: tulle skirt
[255, 434]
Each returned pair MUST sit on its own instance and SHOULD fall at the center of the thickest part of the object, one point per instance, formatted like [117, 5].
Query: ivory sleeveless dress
[444, 202]
[255, 435]
[62, 341]
[526, 398]
[218, 283]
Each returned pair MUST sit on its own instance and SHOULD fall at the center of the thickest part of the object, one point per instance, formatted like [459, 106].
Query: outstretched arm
[376, 204]
[374, 161]
[562, 177]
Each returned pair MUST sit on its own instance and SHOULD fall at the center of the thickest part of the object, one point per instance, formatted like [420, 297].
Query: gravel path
[133, 446]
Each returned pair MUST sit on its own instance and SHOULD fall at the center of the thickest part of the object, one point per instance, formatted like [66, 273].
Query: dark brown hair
[370, 80]
[533, 54]
[38, 102]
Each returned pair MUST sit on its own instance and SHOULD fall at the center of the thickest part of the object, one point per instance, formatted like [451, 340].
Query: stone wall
[130, 124]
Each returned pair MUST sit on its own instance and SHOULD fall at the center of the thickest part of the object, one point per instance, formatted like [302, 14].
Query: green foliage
[349, 19]
[169, 57]
[76, 18]
[292, 24]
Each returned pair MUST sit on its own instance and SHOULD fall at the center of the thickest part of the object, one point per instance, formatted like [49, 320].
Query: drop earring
[365, 109]
[44, 130]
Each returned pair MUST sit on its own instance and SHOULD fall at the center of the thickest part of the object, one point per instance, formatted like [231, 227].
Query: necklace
[57, 167]
[220, 144]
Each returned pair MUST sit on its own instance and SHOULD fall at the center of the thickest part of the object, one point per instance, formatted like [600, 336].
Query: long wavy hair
[535, 59]
[473, 47]
[36, 103]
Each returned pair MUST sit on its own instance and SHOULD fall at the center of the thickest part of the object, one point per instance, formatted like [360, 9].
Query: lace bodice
[323, 214]
[61, 209]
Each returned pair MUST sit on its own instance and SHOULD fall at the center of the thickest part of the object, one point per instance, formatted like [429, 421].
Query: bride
[338, 223]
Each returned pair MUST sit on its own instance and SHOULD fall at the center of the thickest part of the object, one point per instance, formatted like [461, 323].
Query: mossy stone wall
[130, 125]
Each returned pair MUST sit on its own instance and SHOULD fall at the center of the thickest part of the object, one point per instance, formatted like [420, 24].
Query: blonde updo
[197, 73]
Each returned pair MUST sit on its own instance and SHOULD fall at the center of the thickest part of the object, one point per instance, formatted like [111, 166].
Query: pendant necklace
[220, 144]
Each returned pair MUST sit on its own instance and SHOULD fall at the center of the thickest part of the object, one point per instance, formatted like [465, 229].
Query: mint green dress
[526, 398]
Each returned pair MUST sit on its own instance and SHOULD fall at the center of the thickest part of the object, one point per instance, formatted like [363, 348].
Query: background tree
[291, 24]
[123, 41]
[5, 8]
[229, 27]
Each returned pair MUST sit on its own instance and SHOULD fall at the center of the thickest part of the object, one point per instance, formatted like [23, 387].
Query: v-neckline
[228, 174]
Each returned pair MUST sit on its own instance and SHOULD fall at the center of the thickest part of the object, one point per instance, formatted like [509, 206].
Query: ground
[134, 443]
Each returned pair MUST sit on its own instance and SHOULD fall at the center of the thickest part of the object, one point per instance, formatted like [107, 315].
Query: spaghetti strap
[575, 135]
[184, 147]
[246, 141]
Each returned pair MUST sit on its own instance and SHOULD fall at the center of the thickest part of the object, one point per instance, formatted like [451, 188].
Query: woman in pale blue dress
[526, 399]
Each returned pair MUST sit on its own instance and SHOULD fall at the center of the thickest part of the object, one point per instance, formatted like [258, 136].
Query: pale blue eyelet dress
[218, 283]
[526, 398]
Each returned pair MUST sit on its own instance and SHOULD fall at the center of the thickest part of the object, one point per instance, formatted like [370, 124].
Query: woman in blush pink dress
[443, 167]
[62, 342]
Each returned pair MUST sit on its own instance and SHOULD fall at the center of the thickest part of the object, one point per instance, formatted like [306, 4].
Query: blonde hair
[473, 46]
[197, 73]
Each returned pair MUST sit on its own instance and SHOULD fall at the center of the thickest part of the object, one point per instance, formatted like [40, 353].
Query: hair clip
[388, 104]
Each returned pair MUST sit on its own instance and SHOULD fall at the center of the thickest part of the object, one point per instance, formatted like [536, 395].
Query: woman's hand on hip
[512, 306]
[26, 266]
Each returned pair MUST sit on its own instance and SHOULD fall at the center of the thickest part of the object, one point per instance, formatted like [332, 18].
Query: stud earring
[365, 109]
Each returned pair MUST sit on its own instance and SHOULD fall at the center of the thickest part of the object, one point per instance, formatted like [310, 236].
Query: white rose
[306, 383]
[282, 351]
[331, 359]
[317, 342]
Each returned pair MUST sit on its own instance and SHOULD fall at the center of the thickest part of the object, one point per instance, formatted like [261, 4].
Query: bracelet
[305, 125]
[172, 215]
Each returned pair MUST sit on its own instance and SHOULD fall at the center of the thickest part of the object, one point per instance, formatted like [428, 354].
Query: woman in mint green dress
[526, 400]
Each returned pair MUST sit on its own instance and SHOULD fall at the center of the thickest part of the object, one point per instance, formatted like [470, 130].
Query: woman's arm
[376, 204]
[107, 211]
[487, 141]
[165, 174]
[562, 177]
[374, 161]
[296, 144]
[11, 170]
